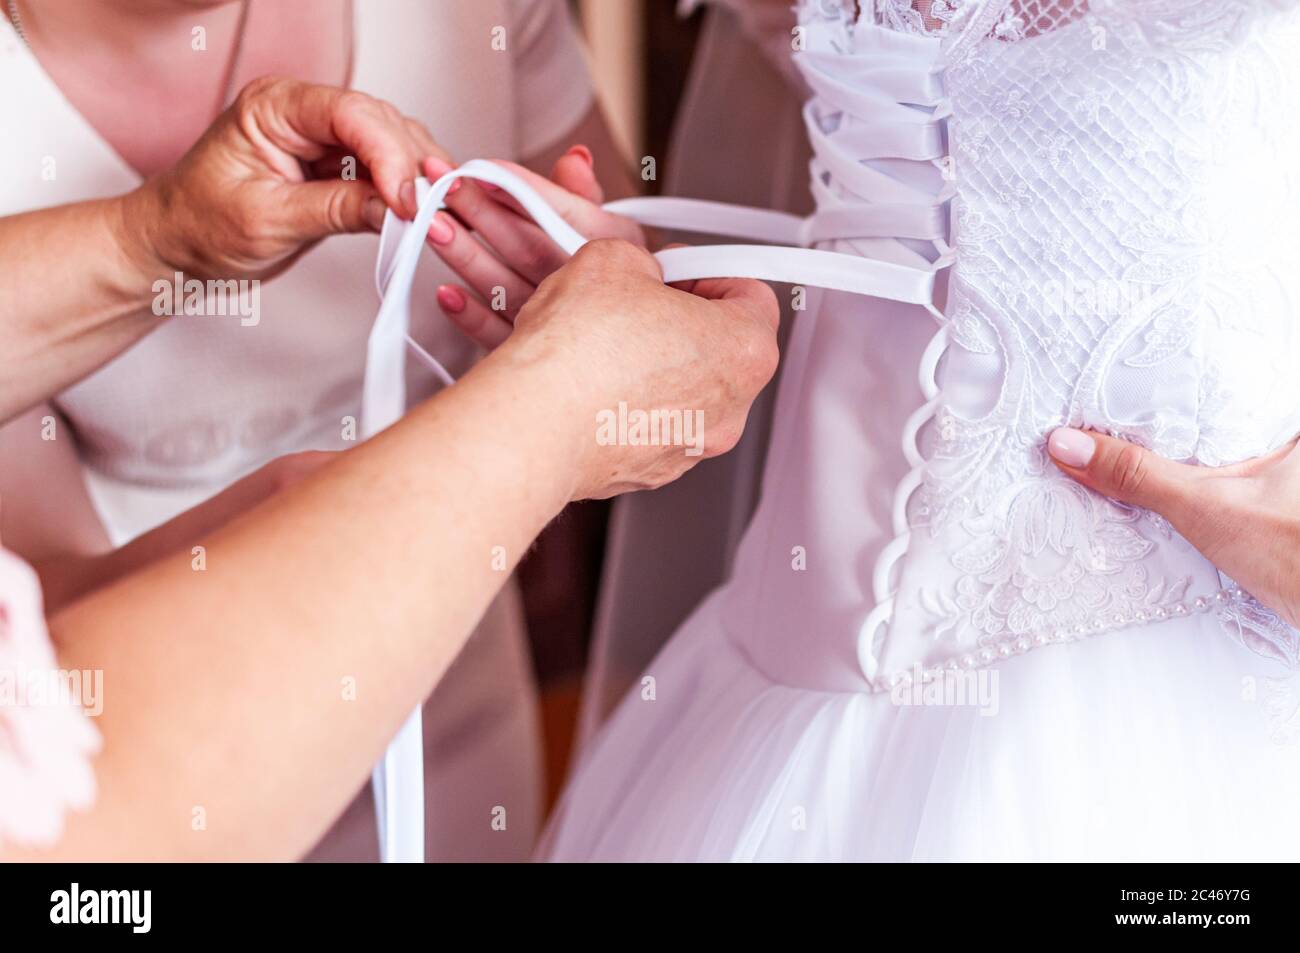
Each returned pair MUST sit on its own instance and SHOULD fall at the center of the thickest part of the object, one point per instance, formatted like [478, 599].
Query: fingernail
[440, 230]
[373, 213]
[488, 187]
[451, 189]
[1072, 447]
[583, 153]
[406, 196]
[451, 299]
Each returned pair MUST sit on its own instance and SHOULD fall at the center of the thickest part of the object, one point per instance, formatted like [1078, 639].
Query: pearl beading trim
[1012, 646]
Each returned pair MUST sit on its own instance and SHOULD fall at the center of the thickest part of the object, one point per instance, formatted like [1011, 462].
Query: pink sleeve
[46, 738]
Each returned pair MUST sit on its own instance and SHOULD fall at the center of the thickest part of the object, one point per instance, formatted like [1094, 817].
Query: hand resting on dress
[1244, 518]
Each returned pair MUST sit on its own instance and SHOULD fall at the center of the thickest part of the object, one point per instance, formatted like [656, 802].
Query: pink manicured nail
[583, 153]
[440, 230]
[451, 189]
[406, 195]
[1072, 447]
[451, 299]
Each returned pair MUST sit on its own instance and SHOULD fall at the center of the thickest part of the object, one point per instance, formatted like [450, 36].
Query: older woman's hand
[1244, 518]
[618, 349]
[270, 177]
[286, 165]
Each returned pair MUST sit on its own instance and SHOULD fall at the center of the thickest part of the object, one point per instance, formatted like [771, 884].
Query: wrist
[125, 267]
[551, 410]
[141, 220]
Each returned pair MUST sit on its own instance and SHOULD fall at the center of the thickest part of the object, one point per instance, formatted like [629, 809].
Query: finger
[604, 257]
[576, 171]
[1128, 473]
[337, 165]
[585, 216]
[517, 241]
[689, 284]
[478, 322]
[424, 142]
[435, 168]
[481, 270]
[503, 223]
[303, 119]
[718, 289]
[331, 207]
[377, 135]
[748, 295]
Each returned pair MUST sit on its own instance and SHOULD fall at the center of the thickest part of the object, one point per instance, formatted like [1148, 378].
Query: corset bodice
[1121, 193]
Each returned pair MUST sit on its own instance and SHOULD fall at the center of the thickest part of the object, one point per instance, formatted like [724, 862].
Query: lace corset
[1120, 179]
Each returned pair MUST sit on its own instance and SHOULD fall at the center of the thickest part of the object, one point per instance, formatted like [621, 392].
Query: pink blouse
[46, 738]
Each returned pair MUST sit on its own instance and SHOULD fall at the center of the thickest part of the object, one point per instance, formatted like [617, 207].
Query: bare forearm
[71, 572]
[75, 289]
[66, 578]
[231, 689]
[256, 693]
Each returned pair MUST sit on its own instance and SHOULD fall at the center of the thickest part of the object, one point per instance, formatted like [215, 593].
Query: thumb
[1125, 471]
[575, 171]
[325, 207]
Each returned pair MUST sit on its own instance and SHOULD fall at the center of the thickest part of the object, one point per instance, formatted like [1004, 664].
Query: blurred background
[639, 52]
[693, 85]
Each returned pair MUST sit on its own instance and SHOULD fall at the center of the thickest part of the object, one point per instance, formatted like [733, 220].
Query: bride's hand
[1244, 518]
[500, 253]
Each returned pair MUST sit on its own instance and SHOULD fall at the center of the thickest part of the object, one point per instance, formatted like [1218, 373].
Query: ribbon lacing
[886, 101]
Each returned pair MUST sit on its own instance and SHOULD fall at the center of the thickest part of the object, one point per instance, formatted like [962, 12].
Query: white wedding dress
[949, 651]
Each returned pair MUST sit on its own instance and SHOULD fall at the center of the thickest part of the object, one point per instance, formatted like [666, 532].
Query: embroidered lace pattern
[1121, 263]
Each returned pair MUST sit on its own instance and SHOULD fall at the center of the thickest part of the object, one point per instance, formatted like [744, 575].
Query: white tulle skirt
[1167, 743]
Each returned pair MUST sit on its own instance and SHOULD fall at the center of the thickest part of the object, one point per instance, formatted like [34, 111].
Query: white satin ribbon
[398, 781]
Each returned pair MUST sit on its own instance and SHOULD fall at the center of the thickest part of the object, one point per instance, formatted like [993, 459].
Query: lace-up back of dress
[1122, 263]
